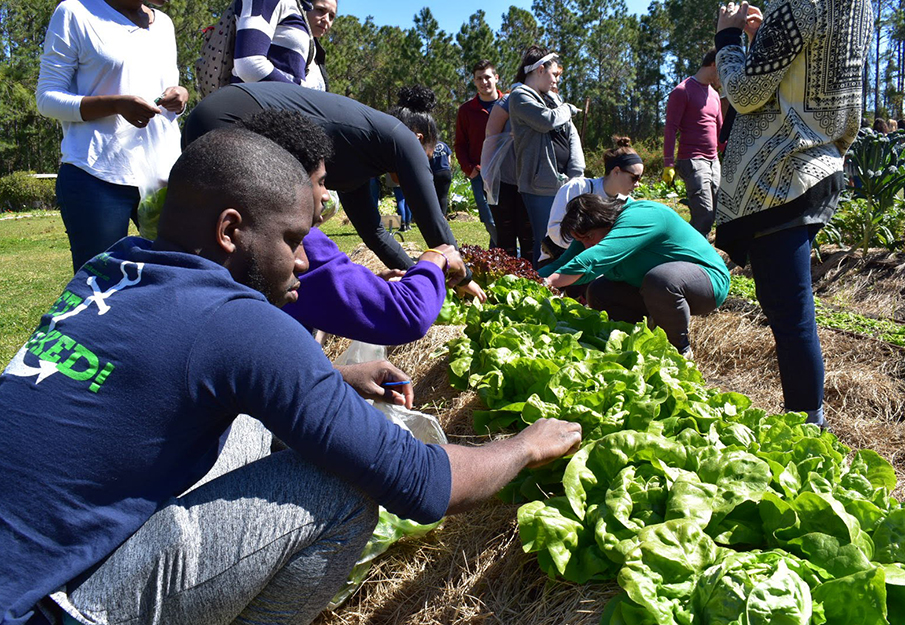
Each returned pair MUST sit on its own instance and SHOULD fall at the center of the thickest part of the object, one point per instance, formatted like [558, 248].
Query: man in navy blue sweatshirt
[115, 406]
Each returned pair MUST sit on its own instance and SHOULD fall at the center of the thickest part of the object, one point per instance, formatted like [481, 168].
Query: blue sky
[451, 14]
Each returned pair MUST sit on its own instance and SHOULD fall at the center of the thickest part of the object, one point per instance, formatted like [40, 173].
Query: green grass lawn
[35, 266]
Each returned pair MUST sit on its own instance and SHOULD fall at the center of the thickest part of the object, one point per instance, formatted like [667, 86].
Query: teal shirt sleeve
[571, 252]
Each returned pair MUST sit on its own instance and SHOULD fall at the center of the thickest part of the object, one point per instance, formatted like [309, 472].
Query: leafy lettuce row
[705, 509]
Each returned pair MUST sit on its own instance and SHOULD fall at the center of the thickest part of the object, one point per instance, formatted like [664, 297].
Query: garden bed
[473, 569]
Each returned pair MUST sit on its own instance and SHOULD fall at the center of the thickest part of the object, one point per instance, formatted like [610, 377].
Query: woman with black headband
[640, 259]
[622, 169]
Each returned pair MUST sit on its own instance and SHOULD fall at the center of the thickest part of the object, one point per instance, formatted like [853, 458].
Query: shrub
[461, 195]
[21, 191]
[876, 167]
[650, 151]
[859, 225]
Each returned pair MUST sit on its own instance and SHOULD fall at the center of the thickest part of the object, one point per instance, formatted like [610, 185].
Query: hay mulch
[872, 286]
[473, 570]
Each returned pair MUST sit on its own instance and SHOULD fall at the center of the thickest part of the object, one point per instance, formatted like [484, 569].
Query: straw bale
[870, 286]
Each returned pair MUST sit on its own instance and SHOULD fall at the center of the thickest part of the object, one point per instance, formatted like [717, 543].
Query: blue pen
[396, 383]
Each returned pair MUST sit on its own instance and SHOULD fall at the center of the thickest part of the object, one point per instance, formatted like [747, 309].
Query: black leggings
[442, 182]
[513, 228]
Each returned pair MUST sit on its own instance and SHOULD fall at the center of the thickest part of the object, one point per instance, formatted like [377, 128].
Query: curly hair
[293, 132]
[414, 110]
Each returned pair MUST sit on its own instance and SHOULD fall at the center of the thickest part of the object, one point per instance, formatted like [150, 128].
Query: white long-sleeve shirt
[93, 50]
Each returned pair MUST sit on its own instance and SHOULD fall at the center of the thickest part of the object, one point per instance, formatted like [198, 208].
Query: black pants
[442, 182]
[513, 228]
[670, 293]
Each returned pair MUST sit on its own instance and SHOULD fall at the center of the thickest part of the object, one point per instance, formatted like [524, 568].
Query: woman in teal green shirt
[640, 259]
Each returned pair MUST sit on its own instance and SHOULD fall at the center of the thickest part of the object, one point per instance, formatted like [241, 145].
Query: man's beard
[255, 280]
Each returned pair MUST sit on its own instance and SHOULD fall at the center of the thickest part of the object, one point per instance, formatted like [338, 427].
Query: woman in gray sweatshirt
[547, 146]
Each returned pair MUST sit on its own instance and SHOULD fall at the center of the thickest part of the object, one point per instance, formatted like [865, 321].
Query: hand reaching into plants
[472, 289]
[478, 473]
[368, 380]
[561, 280]
[551, 439]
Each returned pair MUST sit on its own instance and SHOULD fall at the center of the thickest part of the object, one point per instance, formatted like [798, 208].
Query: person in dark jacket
[366, 143]
[348, 299]
[91, 525]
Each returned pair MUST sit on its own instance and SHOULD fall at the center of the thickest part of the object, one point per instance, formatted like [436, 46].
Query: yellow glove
[669, 175]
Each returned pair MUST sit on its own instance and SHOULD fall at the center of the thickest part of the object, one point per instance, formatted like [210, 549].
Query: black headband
[622, 161]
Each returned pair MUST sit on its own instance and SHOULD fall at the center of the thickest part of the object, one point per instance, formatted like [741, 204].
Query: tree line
[619, 67]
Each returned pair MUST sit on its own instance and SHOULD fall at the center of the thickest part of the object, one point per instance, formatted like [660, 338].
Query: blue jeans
[781, 266]
[402, 208]
[538, 207]
[477, 187]
[96, 213]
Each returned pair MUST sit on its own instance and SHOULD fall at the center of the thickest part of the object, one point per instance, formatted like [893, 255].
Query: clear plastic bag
[390, 528]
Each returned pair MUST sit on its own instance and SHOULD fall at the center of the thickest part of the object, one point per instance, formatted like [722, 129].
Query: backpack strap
[311, 47]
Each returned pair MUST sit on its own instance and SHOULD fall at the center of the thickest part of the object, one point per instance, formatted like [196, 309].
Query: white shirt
[566, 193]
[92, 49]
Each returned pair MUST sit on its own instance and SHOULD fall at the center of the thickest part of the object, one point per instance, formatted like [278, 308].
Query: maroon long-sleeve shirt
[694, 111]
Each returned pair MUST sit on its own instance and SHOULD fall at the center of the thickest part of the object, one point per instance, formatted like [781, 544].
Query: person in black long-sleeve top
[366, 143]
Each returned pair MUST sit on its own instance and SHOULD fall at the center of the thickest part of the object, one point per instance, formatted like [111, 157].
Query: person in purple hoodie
[352, 301]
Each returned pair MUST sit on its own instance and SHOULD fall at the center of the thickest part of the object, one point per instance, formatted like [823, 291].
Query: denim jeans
[402, 208]
[477, 187]
[781, 266]
[96, 213]
[538, 207]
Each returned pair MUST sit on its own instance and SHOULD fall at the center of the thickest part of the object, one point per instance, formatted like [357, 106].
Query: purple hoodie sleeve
[343, 298]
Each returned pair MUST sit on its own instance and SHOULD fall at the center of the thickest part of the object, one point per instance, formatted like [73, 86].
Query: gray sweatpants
[268, 542]
[702, 180]
[670, 293]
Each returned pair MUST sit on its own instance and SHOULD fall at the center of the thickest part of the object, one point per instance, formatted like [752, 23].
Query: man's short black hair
[232, 168]
[481, 65]
[293, 132]
[709, 58]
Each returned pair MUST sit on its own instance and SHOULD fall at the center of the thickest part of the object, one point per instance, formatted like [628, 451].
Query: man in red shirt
[470, 124]
[694, 112]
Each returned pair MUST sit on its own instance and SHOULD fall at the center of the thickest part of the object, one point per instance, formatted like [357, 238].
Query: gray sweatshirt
[535, 158]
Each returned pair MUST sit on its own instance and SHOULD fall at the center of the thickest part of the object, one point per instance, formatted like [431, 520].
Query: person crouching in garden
[639, 259]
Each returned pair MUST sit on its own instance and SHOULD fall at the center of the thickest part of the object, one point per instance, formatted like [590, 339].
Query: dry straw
[472, 569]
